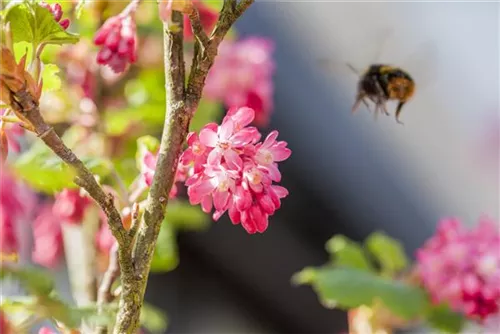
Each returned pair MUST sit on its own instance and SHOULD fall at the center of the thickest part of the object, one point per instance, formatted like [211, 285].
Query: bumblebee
[381, 83]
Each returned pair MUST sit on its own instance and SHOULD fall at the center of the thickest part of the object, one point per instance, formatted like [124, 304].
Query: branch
[198, 31]
[174, 132]
[28, 107]
[204, 59]
[105, 295]
[181, 104]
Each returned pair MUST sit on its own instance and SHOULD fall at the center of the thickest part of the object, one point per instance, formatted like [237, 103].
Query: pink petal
[208, 137]
[266, 204]
[233, 159]
[199, 190]
[247, 222]
[150, 160]
[270, 139]
[245, 136]
[221, 199]
[234, 215]
[244, 116]
[280, 153]
[226, 129]
[206, 204]
[214, 157]
[242, 199]
[274, 172]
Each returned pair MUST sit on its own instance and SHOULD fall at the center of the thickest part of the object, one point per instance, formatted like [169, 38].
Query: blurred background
[348, 173]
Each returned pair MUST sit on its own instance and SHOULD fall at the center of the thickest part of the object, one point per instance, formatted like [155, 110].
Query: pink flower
[5, 326]
[118, 38]
[208, 18]
[47, 235]
[147, 170]
[228, 140]
[104, 238]
[70, 205]
[16, 204]
[462, 267]
[46, 330]
[242, 76]
[56, 10]
[233, 174]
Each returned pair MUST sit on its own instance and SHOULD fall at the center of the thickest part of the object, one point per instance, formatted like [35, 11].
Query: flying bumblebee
[381, 83]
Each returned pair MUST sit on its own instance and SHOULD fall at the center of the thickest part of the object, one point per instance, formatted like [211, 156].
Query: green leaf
[208, 111]
[442, 318]
[49, 176]
[153, 319]
[118, 121]
[183, 215]
[32, 23]
[51, 80]
[21, 49]
[348, 253]
[165, 256]
[98, 166]
[388, 252]
[350, 288]
[35, 280]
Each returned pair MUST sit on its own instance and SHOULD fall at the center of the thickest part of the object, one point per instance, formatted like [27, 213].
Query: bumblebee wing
[422, 64]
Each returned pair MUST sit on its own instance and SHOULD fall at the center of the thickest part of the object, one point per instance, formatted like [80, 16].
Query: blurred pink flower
[46, 330]
[57, 12]
[147, 170]
[16, 204]
[462, 267]
[233, 174]
[104, 238]
[208, 18]
[5, 327]
[47, 236]
[242, 76]
[70, 205]
[118, 39]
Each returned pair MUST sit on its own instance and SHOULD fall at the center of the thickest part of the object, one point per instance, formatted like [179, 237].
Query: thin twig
[136, 220]
[198, 31]
[105, 294]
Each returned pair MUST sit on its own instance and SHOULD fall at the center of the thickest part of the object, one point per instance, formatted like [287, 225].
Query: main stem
[175, 129]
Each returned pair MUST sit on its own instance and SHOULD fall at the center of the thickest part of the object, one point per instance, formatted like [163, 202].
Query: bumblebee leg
[360, 98]
[398, 112]
[384, 109]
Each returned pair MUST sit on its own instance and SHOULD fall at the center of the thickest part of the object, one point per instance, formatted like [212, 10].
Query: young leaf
[388, 252]
[165, 257]
[347, 253]
[441, 317]
[349, 288]
[51, 80]
[37, 281]
[32, 23]
[183, 215]
[153, 319]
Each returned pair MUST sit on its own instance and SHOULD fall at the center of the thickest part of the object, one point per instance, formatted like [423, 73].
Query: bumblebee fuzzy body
[381, 83]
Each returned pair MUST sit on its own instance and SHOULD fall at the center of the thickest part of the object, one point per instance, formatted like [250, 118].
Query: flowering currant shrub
[87, 180]
[455, 278]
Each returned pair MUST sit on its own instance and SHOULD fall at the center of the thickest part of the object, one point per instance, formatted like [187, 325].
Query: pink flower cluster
[242, 76]
[231, 172]
[47, 236]
[70, 205]
[57, 12]
[118, 38]
[462, 267]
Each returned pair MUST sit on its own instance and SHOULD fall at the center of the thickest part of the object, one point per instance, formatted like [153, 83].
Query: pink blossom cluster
[232, 172]
[461, 267]
[70, 205]
[242, 76]
[47, 237]
[57, 12]
[118, 40]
